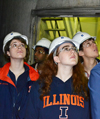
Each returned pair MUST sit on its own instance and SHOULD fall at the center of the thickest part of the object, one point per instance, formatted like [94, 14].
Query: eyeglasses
[15, 45]
[68, 49]
[39, 51]
[88, 43]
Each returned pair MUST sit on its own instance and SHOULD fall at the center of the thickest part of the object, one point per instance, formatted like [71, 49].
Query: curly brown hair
[49, 69]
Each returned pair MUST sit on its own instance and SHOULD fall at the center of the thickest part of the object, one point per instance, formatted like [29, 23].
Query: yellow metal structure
[53, 27]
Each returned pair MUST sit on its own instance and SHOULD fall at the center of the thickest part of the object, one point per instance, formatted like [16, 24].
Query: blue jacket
[13, 100]
[94, 86]
[61, 103]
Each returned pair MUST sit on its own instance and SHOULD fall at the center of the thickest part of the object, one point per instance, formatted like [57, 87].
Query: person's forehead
[66, 44]
[15, 41]
[88, 40]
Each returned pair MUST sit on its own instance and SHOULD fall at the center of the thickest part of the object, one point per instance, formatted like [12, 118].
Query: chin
[74, 63]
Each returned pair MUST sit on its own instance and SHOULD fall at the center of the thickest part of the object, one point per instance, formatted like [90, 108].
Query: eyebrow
[89, 40]
[17, 42]
[14, 42]
[68, 46]
[40, 49]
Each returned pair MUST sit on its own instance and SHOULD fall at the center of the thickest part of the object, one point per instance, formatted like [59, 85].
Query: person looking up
[61, 91]
[88, 50]
[16, 77]
[41, 50]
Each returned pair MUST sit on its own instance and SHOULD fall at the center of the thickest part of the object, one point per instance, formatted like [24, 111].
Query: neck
[39, 65]
[89, 64]
[17, 68]
[64, 73]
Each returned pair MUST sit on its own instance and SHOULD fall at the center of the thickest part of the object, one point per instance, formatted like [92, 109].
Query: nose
[36, 52]
[72, 50]
[94, 44]
[19, 46]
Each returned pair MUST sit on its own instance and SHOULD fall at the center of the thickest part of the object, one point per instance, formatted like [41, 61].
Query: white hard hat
[43, 43]
[11, 35]
[58, 41]
[80, 37]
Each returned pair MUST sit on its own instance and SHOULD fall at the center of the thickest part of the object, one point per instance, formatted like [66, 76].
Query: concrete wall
[41, 4]
[15, 15]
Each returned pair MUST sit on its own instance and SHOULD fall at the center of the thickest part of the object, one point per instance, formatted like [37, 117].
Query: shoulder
[95, 76]
[96, 68]
[97, 60]
[35, 86]
[33, 74]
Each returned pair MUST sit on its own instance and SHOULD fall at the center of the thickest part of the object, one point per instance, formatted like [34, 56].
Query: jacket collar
[5, 70]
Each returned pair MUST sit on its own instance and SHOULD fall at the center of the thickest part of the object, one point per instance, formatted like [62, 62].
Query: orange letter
[46, 104]
[44, 101]
[54, 100]
[66, 99]
[82, 102]
[73, 99]
[60, 98]
[78, 100]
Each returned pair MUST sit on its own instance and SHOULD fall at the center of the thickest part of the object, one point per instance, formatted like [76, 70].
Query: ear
[8, 53]
[81, 53]
[56, 59]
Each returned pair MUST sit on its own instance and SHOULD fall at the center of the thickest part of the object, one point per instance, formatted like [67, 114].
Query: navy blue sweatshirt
[61, 103]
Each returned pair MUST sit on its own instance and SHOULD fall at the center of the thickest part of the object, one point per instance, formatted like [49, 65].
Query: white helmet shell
[58, 41]
[80, 37]
[11, 35]
[43, 43]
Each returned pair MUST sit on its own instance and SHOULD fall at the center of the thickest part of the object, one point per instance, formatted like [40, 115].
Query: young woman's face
[17, 49]
[67, 54]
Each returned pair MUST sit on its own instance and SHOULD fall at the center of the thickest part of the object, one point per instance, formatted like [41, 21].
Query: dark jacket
[12, 99]
[94, 86]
